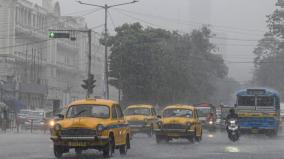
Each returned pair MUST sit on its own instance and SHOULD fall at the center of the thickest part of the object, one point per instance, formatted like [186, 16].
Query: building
[36, 70]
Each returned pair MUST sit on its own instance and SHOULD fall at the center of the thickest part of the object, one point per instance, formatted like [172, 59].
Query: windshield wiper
[82, 111]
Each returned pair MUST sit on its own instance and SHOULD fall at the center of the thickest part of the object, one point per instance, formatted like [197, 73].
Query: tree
[157, 66]
[269, 52]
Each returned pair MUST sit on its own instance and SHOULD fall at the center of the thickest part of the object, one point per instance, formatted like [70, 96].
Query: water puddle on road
[232, 149]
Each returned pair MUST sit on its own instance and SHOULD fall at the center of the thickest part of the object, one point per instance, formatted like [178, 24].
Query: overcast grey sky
[231, 20]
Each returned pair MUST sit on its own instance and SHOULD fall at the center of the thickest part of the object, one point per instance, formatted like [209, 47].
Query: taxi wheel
[198, 138]
[123, 148]
[108, 150]
[57, 151]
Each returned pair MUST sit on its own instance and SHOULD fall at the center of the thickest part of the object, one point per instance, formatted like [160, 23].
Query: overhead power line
[156, 25]
[193, 24]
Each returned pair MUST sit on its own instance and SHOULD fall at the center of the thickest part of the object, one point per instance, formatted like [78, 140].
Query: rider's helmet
[232, 111]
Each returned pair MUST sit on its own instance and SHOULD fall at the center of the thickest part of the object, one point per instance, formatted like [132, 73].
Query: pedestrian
[5, 120]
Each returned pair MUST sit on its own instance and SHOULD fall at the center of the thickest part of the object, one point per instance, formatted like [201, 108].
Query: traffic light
[58, 35]
[89, 84]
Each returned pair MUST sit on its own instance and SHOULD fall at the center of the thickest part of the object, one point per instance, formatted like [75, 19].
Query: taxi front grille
[174, 126]
[78, 132]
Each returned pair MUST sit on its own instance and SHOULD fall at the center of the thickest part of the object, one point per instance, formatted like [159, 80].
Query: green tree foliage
[269, 61]
[156, 66]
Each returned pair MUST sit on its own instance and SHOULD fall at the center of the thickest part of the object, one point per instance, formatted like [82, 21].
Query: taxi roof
[93, 101]
[139, 106]
[180, 106]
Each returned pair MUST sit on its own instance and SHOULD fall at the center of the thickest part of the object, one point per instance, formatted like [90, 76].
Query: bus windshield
[246, 101]
[265, 101]
[260, 101]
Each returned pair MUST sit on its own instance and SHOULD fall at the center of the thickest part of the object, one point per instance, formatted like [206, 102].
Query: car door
[121, 124]
[114, 124]
[198, 123]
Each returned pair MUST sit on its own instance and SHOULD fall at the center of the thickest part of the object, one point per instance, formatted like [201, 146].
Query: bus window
[246, 101]
[265, 101]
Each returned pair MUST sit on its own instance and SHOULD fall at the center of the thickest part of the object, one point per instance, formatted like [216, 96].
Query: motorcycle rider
[232, 115]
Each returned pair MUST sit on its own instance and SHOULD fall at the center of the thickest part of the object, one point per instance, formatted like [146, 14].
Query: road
[213, 146]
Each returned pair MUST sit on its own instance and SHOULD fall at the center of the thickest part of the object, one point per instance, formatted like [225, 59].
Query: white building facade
[37, 70]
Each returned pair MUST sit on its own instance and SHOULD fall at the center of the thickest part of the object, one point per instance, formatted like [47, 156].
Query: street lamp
[106, 7]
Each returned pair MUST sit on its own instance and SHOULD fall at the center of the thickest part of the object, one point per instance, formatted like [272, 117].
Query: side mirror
[159, 116]
[60, 116]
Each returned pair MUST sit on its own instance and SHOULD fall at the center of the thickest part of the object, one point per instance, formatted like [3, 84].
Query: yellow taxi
[91, 124]
[179, 121]
[141, 118]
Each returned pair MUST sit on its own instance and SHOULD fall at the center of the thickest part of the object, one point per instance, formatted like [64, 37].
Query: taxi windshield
[137, 111]
[178, 113]
[95, 111]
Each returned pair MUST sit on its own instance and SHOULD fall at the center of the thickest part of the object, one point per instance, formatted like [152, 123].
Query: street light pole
[106, 7]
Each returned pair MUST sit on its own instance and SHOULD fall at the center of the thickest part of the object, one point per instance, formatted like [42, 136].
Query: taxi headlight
[57, 127]
[51, 123]
[210, 122]
[100, 128]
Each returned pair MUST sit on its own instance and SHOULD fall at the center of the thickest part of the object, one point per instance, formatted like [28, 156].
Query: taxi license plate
[173, 134]
[77, 144]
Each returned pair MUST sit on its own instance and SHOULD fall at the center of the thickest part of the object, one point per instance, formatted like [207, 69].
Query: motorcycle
[233, 130]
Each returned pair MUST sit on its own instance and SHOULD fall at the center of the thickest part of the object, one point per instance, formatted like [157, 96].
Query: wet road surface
[213, 145]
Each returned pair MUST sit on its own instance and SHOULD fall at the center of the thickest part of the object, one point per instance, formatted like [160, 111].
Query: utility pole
[106, 7]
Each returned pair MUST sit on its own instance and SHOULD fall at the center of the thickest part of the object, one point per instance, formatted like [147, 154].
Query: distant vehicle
[179, 121]
[258, 110]
[141, 118]
[35, 119]
[22, 115]
[207, 115]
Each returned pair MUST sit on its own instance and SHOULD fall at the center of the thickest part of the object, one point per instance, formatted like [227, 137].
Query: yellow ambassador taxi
[179, 121]
[141, 118]
[91, 124]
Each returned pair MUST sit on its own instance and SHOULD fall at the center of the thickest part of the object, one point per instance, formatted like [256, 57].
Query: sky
[238, 24]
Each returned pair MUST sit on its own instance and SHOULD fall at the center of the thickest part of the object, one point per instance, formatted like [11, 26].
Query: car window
[114, 113]
[119, 111]
[138, 111]
[176, 112]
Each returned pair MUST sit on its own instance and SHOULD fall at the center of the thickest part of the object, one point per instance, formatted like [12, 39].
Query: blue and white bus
[258, 110]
